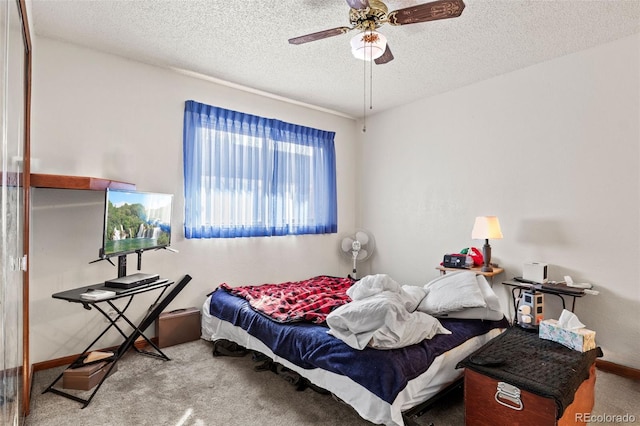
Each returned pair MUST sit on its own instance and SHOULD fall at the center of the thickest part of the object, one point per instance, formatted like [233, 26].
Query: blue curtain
[248, 176]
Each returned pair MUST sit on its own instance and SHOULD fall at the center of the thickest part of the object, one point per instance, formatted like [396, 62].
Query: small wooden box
[87, 376]
[178, 326]
[483, 405]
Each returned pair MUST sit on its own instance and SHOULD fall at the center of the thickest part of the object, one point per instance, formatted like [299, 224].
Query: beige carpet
[197, 389]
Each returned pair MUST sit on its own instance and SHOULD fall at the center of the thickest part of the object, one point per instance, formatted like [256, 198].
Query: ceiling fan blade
[319, 35]
[358, 4]
[387, 56]
[441, 9]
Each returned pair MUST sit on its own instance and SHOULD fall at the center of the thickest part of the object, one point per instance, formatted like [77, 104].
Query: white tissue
[569, 321]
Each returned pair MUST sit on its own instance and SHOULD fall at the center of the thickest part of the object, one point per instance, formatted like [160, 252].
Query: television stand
[122, 265]
[155, 310]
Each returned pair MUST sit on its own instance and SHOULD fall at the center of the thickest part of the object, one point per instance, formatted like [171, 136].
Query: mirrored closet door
[13, 96]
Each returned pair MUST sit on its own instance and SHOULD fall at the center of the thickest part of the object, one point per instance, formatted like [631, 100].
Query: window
[247, 176]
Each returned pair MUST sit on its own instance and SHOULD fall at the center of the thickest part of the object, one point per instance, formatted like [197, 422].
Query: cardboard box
[179, 326]
[581, 339]
[87, 376]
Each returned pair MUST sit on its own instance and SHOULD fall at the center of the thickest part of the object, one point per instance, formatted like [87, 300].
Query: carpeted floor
[197, 389]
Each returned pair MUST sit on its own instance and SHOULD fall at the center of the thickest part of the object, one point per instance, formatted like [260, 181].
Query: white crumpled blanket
[382, 315]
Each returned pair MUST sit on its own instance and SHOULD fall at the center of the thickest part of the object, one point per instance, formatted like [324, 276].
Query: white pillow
[490, 297]
[452, 292]
[493, 311]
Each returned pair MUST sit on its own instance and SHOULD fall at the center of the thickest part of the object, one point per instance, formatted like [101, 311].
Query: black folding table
[155, 310]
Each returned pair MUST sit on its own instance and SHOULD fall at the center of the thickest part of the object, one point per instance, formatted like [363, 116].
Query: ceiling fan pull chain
[371, 83]
[364, 96]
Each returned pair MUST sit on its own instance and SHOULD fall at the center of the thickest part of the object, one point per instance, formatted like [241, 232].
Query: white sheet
[370, 407]
[381, 315]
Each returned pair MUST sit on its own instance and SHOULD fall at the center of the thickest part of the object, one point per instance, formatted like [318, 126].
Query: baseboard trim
[617, 369]
[66, 360]
[27, 407]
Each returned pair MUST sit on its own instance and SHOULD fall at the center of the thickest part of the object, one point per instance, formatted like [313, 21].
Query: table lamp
[485, 228]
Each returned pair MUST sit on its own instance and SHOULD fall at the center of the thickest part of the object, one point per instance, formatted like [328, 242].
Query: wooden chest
[178, 326]
[485, 405]
[518, 379]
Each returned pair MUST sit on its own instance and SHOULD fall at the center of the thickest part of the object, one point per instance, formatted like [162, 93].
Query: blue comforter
[385, 373]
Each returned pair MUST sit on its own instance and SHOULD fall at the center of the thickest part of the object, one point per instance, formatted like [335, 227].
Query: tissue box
[581, 339]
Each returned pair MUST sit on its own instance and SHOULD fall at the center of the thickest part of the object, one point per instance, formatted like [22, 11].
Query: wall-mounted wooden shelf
[77, 182]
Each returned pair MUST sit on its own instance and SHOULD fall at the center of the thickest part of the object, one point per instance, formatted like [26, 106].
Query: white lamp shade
[486, 228]
[368, 45]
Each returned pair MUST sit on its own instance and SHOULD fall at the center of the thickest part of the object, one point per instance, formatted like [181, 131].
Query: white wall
[552, 150]
[99, 115]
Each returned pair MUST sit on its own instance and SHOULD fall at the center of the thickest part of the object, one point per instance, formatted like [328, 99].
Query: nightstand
[477, 270]
[518, 378]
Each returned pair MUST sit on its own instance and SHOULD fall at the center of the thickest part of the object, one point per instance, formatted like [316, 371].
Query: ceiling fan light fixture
[368, 45]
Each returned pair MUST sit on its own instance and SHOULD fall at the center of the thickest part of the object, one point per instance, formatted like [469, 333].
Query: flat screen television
[135, 222]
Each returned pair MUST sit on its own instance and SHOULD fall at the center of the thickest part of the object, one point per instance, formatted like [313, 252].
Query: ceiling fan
[368, 15]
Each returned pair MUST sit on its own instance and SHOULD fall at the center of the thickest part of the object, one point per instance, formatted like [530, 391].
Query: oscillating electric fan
[358, 247]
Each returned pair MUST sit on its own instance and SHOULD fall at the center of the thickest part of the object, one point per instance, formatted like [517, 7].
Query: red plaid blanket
[309, 300]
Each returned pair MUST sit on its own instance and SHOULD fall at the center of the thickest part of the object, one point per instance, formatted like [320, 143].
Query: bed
[380, 384]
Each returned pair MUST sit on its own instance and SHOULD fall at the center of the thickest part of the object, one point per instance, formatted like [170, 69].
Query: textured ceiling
[245, 42]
